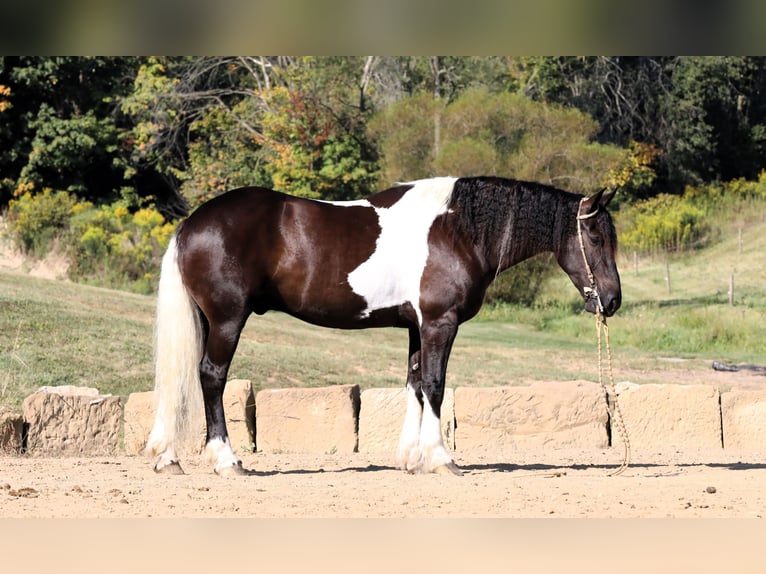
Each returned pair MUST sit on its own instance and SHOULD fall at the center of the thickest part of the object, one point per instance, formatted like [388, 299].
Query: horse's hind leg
[221, 344]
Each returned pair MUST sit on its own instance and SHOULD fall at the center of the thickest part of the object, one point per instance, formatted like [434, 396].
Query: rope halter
[590, 292]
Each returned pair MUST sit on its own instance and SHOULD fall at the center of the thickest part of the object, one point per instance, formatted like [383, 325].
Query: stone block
[71, 420]
[381, 417]
[311, 420]
[11, 425]
[743, 415]
[238, 407]
[139, 418]
[542, 415]
[671, 416]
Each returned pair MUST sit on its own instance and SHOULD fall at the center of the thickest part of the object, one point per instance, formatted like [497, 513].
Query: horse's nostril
[612, 305]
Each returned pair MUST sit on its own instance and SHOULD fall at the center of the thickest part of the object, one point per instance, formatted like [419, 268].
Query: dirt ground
[554, 483]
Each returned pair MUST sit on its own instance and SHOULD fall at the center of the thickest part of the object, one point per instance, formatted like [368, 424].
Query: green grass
[55, 333]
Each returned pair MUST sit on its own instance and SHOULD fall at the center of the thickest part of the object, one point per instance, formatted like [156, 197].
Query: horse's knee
[433, 392]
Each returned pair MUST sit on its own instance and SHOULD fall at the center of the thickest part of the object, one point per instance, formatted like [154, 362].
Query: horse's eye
[596, 240]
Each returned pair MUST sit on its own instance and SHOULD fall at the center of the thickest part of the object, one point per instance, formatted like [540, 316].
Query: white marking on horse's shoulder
[437, 189]
[391, 276]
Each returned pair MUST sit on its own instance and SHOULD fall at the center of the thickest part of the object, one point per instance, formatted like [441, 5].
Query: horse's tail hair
[178, 340]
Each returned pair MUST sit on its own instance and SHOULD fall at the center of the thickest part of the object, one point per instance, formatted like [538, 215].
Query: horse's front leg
[214, 368]
[436, 337]
[408, 453]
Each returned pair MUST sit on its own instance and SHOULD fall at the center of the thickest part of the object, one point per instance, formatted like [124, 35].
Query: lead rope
[602, 328]
[614, 412]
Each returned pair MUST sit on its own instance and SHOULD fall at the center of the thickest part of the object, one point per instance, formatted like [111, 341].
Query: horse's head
[589, 252]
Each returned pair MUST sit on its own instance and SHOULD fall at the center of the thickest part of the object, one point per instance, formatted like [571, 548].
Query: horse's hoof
[172, 468]
[414, 467]
[231, 470]
[449, 468]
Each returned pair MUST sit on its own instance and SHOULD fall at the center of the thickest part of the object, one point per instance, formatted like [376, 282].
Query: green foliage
[675, 223]
[403, 133]
[76, 146]
[60, 126]
[221, 156]
[175, 131]
[705, 114]
[110, 245]
[116, 247]
[316, 147]
[153, 109]
[713, 128]
[35, 221]
[665, 222]
[738, 199]
[492, 134]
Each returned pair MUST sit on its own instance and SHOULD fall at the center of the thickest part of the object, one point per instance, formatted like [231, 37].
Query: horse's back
[270, 250]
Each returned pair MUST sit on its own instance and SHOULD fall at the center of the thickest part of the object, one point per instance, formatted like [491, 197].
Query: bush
[676, 223]
[118, 245]
[663, 223]
[35, 221]
[118, 248]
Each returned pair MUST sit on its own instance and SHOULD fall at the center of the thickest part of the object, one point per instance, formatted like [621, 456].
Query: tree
[705, 116]
[314, 128]
[61, 125]
[484, 133]
[716, 127]
[169, 96]
[213, 123]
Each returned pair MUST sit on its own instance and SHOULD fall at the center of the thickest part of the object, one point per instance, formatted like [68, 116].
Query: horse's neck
[532, 229]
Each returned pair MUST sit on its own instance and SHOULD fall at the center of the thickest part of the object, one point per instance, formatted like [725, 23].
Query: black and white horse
[419, 256]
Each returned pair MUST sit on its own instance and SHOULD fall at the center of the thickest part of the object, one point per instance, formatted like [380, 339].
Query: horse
[418, 256]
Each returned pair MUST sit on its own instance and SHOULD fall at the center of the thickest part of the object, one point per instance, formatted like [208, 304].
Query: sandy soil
[556, 483]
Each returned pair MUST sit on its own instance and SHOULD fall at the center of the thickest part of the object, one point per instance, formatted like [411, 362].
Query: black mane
[512, 218]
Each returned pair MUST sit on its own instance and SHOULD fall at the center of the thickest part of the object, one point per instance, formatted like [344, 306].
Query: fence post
[667, 276]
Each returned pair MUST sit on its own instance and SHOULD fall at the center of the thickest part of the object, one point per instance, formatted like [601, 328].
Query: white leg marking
[408, 454]
[221, 453]
[433, 452]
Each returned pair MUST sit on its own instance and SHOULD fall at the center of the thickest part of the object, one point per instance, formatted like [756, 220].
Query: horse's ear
[598, 199]
[590, 205]
[606, 197]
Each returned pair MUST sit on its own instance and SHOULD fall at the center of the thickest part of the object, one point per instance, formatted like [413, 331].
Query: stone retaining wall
[78, 421]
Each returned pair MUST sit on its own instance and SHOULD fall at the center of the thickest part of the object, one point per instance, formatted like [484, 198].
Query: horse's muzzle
[607, 304]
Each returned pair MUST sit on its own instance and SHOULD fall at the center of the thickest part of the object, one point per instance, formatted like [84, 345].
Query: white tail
[177, 353]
